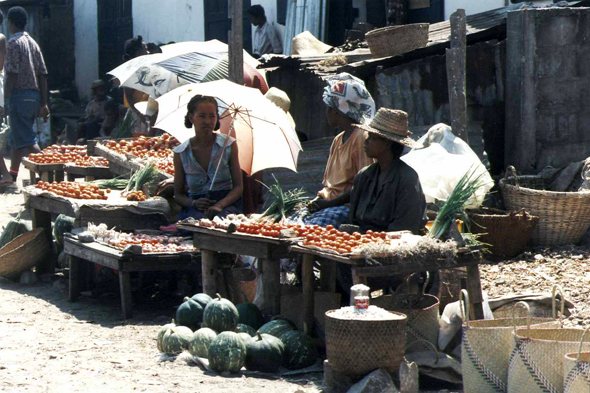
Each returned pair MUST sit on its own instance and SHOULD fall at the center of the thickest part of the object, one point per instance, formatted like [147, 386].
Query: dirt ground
[49, 344]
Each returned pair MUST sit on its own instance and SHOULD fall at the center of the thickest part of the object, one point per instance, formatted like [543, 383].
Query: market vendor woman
[196, 163]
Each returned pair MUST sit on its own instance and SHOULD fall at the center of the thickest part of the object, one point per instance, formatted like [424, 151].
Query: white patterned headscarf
[349, 96]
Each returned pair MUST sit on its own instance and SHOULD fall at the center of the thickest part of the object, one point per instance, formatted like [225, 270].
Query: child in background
[89, 126]
[114, 114]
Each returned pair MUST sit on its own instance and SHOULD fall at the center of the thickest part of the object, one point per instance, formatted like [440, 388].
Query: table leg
[89, 178]
[47, 176]
[33, 177]
[474, 291]
[356, 278]
[59, 176]
[271, 282]
[75, 277]
[126, 300]
[307, 279]
[328, 274]
[41, 219]
[71, 177]
[209, 272]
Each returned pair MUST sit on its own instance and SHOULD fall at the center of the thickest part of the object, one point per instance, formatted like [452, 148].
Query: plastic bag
[43, 130]
[441, 159]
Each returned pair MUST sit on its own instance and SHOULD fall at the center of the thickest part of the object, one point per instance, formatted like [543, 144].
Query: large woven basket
[23, 252]
[357, 347]
[395, 40]
[506, 232]
[564, 217]
[576, 370]
[423, 315]
[537, 357]
[485, 350]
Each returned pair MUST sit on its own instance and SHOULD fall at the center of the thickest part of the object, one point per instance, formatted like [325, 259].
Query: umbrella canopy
[183, 63]
[263, 131]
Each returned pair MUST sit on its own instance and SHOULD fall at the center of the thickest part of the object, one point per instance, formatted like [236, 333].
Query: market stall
[172, 256]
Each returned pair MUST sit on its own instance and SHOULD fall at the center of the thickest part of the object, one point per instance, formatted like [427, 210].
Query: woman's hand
[204, 203]
[213, 211]
[317, 204]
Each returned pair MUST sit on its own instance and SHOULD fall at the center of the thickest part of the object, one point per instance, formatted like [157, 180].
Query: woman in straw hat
[349, 103]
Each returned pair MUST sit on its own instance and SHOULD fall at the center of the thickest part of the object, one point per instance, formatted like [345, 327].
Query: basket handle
[464, 297]
[525, 305]
[579, 346]
[554, 303]
[429, 344]
[512, 170]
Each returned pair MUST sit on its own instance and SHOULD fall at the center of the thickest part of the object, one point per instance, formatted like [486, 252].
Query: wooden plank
[428, 265]
[51, 205]
[95, 253]
[349, 260]
[456, 75]
[307, 278]
[33, 166]
[475, 293]
[42, 219]
[100, 172]
[234, 244]
[236, 43]
[126, 300]
[209, 271]
[271, 282]
[75, 278]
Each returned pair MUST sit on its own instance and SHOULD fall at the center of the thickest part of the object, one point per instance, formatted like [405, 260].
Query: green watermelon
[176, 340]
[202, 298]
[161, 333]
[250, 315]
[277, 327]
[221, 315]
[241, 328]
[62, 225]
[189, 314]
[264, 353]
[227, 352]
[13, 229]
[300, 350]
[200, 342]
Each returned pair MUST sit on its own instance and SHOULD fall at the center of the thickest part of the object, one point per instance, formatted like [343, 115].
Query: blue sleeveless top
[199, 180]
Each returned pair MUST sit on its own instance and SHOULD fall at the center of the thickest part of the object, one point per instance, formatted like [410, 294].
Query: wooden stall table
[361, 270]
[47, 172]
[81, 254]
[123, 165]
[268, 251]
[122, 216]
[89, 173]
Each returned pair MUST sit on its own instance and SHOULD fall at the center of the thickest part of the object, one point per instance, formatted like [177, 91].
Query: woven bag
[395, 40]
[486, 345]
[564, 217]
[357, 347]
[576, 370]
[506, 232]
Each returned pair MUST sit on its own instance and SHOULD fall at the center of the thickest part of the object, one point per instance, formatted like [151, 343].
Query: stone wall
[547, 86]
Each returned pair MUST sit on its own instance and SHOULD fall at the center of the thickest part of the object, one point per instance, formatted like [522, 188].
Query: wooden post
[126, 300]
[456, 59]
[307, 279]
[474, 291]
[41, 219]
[271, 282]
[236, 42]
[209, 271]
[75, 278]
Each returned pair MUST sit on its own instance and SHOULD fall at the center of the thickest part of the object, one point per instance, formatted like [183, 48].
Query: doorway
[115, 26]
[217, 22]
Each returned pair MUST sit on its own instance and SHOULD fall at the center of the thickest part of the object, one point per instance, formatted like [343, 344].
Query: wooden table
[267, 250]
[89, 173]
[47, 172]
[82, 254]
[123, 165]
[361, 270]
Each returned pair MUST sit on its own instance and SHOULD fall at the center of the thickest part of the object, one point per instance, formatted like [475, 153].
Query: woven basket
[357, 347]
[24, 252]
[395, 40]
[423, 314]
[576, 370]
[507, 233]
[485, 349]
[537, 358]
[564, 217]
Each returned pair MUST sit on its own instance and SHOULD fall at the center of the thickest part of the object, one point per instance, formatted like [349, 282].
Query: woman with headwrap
[349, 103]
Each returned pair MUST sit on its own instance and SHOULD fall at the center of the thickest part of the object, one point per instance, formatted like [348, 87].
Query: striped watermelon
[221, 315]
[227, 352]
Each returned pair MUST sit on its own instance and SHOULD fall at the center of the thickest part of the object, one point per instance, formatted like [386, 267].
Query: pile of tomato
[137, 196]
[327, 238]
[142, 147]
[165, 165]
[65, 154]
[74, 190]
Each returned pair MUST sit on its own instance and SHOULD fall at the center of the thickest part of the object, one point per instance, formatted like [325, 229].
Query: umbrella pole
[225, 144]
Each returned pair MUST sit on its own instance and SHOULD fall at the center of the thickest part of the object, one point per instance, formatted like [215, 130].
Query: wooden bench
[47, 172]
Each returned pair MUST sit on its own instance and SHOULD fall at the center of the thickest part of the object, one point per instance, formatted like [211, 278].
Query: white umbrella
[263, 131]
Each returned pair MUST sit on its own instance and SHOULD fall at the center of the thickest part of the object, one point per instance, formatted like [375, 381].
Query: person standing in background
[5, 178]
[25, 89]
[265, 36]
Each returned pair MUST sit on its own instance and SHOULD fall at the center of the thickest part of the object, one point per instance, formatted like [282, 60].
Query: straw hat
[390, 124]
[282, 100]
[305, 44]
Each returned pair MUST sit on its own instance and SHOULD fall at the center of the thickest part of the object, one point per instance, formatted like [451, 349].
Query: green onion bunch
[281, 204]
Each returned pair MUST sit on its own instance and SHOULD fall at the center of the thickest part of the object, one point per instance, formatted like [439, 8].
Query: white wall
[471, 6]
[162, 21]
[86, 45]
[362, 7]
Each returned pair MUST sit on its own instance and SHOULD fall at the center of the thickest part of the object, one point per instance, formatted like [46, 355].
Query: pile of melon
[233, 336]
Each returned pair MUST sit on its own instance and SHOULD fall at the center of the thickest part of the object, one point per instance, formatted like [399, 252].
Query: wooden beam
[209, 271]
[236, 42]
[456, 75]
[308, 292]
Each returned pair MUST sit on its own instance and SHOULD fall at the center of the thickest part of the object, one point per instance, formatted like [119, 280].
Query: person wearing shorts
[25, 88]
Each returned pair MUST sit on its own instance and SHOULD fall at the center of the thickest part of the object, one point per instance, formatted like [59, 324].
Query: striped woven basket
[576, 370]
[564, 217]
[485, 349]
